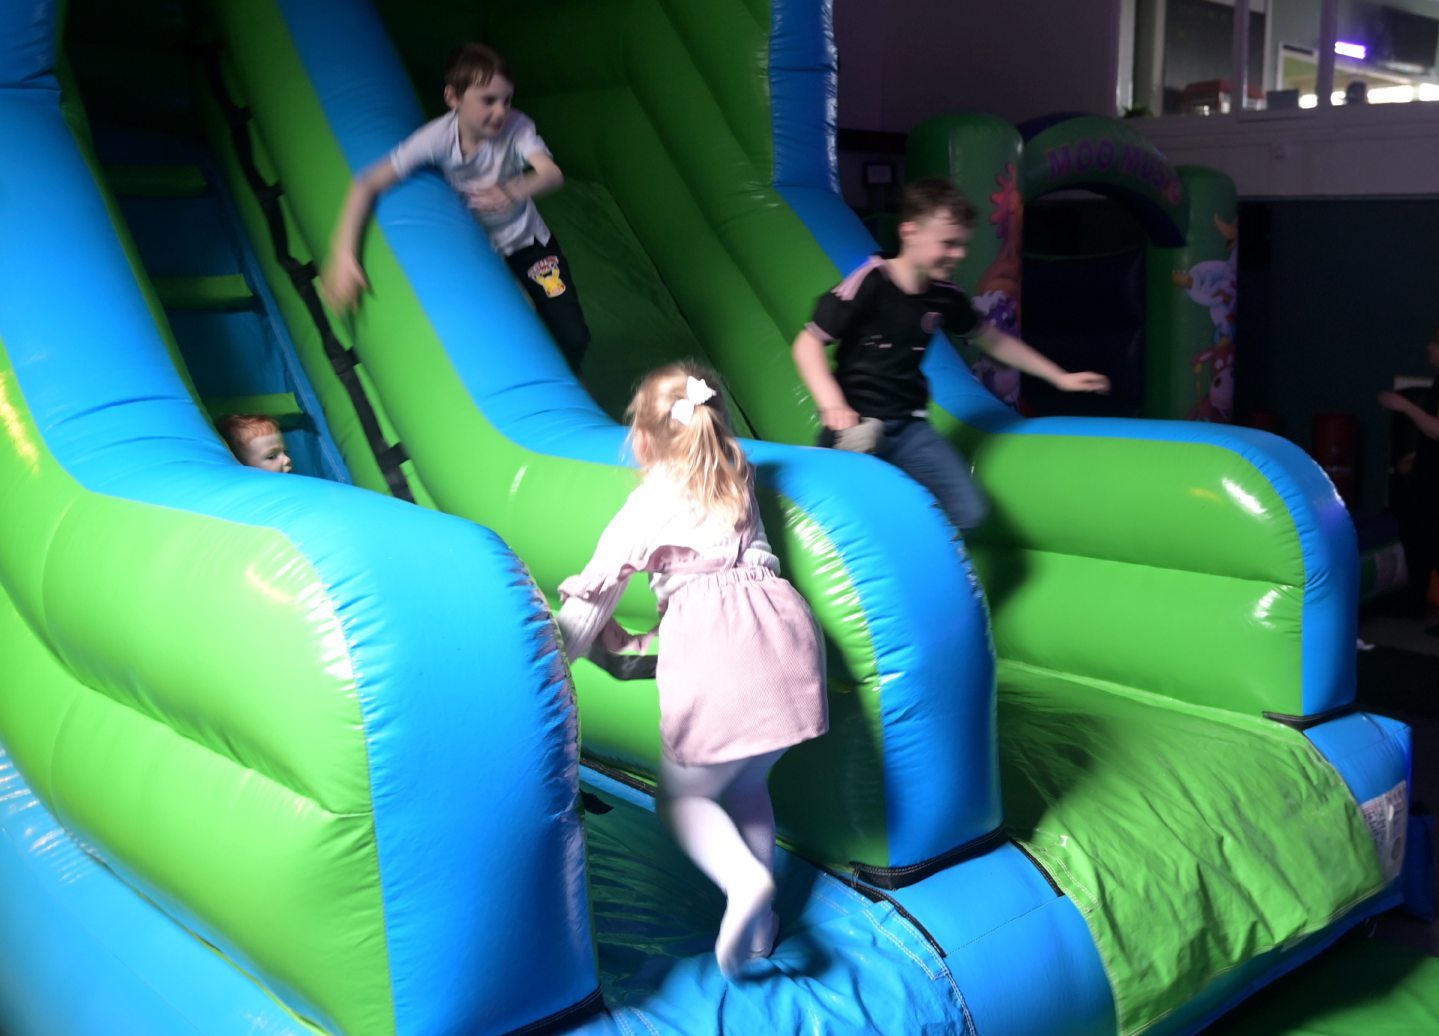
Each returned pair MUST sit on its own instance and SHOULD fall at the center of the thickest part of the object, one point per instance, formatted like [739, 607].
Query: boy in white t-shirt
[494, 159]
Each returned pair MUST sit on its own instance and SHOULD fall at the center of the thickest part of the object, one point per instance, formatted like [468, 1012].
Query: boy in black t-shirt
[883, 316]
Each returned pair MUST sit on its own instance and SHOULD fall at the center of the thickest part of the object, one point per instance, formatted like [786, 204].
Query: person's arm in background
[1427, 423]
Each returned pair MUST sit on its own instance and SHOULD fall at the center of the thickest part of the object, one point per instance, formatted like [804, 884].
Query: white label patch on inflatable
[1388, 818]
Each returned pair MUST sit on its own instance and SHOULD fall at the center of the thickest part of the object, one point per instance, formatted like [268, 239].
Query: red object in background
[1215, 95]
[1263, 419]
[1335, 445]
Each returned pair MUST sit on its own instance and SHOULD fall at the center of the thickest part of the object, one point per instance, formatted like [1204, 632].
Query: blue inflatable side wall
[83, 925]
[428, 650]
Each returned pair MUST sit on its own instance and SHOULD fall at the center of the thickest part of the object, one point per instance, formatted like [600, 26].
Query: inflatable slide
[286, 754]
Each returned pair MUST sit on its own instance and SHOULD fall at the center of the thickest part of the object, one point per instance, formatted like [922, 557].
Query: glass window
[1184, 56]
[1382, 52]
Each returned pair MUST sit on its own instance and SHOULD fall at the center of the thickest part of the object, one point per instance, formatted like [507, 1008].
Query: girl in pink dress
[740, 670]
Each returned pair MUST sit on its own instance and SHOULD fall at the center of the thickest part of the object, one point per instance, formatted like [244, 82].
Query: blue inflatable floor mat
[842, 963]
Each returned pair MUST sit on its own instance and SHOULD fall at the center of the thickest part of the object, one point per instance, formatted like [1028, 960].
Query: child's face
[483, 107]
[265, 451]
[933, 244]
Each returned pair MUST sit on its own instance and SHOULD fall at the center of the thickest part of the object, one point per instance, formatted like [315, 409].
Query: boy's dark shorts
[544, 273]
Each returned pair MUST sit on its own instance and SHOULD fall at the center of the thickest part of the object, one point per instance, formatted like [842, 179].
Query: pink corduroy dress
[741, 665]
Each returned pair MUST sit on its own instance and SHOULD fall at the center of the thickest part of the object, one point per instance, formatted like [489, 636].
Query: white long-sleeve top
[662, 531]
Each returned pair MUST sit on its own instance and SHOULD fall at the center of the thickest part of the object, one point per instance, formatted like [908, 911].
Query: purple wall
[903, 61]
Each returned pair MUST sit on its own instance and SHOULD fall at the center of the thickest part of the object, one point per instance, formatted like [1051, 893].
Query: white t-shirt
[437, 143]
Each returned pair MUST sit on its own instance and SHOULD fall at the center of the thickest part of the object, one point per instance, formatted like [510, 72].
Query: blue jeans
[914, 447]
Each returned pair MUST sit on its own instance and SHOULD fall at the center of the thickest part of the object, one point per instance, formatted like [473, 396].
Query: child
[883, 315]
[740, 673]
[256, 442]
[1418, 510]
[482, 147]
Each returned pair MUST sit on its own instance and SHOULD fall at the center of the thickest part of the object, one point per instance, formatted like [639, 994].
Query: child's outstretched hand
[342, 281]
[1083, 381]
[489, 201]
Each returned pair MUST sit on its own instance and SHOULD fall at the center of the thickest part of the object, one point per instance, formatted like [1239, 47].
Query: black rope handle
[343, 362]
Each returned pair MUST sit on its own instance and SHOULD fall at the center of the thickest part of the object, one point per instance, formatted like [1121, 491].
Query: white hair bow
[696, 393]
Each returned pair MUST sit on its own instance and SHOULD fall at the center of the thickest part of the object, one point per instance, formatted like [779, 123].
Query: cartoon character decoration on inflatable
[997, 294]
[1212, 284]
[1217, 404]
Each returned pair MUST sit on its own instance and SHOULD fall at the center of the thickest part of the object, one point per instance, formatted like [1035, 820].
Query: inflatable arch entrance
[1188, 215]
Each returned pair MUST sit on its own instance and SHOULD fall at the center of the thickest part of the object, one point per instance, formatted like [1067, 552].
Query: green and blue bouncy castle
[293, 754]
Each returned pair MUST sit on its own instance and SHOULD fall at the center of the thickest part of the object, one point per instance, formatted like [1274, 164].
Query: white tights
[722, 818]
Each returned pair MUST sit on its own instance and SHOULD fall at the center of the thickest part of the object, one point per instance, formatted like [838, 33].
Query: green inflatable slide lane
[1190, 838]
